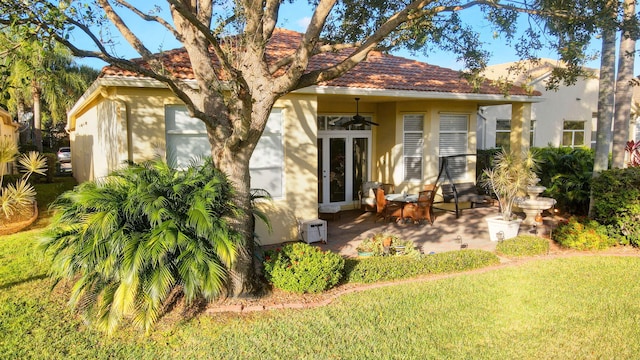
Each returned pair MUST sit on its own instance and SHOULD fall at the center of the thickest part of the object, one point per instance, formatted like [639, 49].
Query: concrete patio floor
[353, 226]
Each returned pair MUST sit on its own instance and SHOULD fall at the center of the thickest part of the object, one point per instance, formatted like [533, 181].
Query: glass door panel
[337, 173]
[360, 165]
[320, 171]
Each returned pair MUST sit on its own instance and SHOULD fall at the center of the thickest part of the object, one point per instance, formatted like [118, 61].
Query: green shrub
[616, 195]
[133, 239]
[523, 245]
[369, 270]
[303, 268]
[567, 173]
[582, 234]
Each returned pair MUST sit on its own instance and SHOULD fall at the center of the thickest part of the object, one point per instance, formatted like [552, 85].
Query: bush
[303, 268]
[567, 174]
[369, 270]
[582, 234]
[616, 195]
[523, 245]
[133, 239]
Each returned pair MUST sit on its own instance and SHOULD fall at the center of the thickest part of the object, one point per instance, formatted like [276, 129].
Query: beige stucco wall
[300, 201]
[8, 128]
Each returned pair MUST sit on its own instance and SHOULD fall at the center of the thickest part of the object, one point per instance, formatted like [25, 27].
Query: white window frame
[532, 136]
[273, 132]
[413, 146]
[463, 133]
[503, 131]
[573, 133]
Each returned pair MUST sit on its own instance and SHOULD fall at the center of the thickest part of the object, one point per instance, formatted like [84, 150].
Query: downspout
[479, 113]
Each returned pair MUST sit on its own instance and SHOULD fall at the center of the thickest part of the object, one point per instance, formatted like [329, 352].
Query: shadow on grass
[23, 281]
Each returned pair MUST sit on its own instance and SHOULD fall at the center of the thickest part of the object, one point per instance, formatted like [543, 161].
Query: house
[567, 117]
[306, 157]
[8, 127]
[8, 130]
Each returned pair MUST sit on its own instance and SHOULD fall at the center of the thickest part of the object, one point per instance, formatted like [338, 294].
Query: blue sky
[296, 16]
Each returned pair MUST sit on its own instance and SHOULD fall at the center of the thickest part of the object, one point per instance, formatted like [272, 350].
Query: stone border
[16, 227]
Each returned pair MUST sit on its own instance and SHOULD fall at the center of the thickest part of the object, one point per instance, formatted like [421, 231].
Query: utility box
[313, 231]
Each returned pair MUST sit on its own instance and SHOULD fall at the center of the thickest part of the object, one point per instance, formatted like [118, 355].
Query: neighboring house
[567, 117]
[306, 157]
[8, 130]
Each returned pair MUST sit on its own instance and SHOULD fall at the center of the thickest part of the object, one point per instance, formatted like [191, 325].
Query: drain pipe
[480, 115]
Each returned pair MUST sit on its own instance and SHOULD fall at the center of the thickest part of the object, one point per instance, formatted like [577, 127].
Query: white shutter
[454, 135]
[267, 162]
[413, 145]
[186, 137]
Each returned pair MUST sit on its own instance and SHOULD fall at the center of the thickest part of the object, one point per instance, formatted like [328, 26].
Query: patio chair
[388, 188]
[422, 210]
[368, 195]
[386, 209]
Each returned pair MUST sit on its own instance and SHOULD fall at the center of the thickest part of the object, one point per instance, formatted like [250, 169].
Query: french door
[344, 163]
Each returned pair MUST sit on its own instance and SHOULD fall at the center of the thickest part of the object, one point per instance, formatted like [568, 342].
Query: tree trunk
[624, 89]
[244, 279]
[37, 118]
[605, 104]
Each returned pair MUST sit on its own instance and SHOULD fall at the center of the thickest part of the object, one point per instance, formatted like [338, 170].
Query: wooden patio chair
[386, 209]
[423, 209]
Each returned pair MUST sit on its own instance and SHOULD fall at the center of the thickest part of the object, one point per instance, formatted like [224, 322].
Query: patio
[353, 226]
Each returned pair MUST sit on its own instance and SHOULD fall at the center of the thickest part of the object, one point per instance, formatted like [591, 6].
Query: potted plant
[511, 174]
[368, 247]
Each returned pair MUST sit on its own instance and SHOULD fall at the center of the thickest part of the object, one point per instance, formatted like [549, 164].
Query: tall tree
[624, 83]
[235, 95]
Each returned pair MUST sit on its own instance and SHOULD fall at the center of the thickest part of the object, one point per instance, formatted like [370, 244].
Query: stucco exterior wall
[8, 130]
[300, 201]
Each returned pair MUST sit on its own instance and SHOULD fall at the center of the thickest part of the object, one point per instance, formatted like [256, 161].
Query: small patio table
[402, 200]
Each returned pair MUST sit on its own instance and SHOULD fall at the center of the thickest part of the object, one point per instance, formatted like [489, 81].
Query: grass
[568, 308]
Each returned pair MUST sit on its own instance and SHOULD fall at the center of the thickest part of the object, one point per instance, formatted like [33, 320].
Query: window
[532, 134]
[454, 140]
[412, 147]
[267, 162]
[503, 133]
[573, 133]
[336, 122]
[187, 139]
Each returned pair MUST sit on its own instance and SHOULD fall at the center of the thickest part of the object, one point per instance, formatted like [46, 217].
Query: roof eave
[420, 95]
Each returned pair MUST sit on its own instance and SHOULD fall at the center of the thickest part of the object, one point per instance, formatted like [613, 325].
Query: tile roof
[378, 71]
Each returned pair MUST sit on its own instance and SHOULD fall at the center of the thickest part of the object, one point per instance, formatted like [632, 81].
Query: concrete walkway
[346, 233]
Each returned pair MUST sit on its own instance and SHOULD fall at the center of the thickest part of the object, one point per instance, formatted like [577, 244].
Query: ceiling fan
[358, 119]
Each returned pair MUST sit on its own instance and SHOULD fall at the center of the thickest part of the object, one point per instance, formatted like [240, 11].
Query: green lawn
[565, 308]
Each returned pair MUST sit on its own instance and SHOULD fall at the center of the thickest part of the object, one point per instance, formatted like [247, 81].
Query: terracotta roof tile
[378, 71]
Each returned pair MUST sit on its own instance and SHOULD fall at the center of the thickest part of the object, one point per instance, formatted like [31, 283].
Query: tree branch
[124, 29]
[150, 18]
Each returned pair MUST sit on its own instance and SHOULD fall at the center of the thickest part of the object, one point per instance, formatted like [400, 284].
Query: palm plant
[509, 178]
[16, 198]
[140, 235]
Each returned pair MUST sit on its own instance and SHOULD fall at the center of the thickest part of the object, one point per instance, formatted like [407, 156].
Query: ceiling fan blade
[371, 123]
